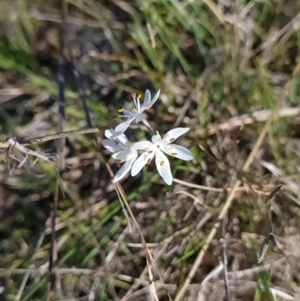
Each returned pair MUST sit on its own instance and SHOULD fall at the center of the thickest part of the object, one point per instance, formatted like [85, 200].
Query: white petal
[122, 127]
[163, 167]
[142, 145]
[113, 135]
[127, 113]
[122, 172]
[174, 134]
[109, 133]
[140, 162]
[125, 155]
[111, 145]
[147, 105]
[121, 156]
[123, 139]
[134, 100]
[120, 137]
[133, 156]
[147, 99]
[156, 138]
[138, 108]
[177, 151]
[140, 117]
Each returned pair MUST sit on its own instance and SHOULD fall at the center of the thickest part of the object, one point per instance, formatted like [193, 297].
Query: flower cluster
[128, 153]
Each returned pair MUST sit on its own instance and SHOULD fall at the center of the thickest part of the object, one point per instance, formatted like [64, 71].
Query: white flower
[156, 147]
[122, 151]
[137, 114]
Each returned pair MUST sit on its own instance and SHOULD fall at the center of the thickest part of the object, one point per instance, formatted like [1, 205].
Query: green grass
[181, 47]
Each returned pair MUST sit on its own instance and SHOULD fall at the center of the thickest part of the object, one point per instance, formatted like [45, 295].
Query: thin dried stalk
[245, 119]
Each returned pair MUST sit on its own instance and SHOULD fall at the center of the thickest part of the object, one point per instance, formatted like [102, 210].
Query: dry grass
[229, 70]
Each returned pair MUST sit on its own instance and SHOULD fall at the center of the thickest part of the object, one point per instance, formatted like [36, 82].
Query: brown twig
[60, 135]
[225, 261]
[249, 118]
